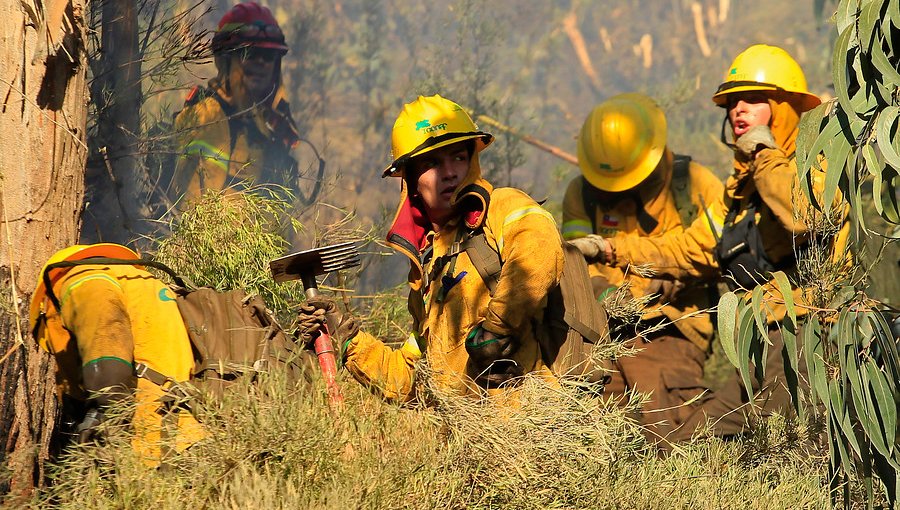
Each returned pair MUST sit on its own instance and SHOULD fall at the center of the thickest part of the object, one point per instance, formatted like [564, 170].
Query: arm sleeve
[203, 143]
[776, 180]
[390, 372]
[679, 253]
[531, 250]
[93, 309]
[576, 222]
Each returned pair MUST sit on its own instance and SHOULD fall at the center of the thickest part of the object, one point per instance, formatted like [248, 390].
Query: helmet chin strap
[722, 138]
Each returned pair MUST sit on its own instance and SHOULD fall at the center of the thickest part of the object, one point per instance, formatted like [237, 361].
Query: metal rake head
[308, 264]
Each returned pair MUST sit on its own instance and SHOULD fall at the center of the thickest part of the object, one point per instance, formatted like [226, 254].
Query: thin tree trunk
[119, 187]
[43, 107]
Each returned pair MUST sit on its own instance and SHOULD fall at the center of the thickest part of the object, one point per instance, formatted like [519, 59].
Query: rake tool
[305, 266]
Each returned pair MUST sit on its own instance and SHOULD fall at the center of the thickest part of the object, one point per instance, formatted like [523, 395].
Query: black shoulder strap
[681, 189]
[107, 261]
[233, 121]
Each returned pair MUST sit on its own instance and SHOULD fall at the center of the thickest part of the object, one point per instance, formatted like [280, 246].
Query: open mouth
[447, 193]
[740, 127]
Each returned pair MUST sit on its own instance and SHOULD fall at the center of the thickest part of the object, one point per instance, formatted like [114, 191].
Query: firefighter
[238, 129]
[757, 225]
[475, 337]
[632, 184]
[116, 333]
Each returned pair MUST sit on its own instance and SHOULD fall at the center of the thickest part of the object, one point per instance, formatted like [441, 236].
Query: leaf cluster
[856, 133]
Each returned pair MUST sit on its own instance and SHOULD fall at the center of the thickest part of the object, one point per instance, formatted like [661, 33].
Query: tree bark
[118, 207]
[43, 109]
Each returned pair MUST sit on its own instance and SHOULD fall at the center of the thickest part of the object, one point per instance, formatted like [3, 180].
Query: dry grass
[277, 446]
[274, 445]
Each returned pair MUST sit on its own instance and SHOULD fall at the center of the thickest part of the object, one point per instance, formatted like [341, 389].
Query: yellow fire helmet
[766, 68]
[429, 123]
[52, 337]
[621, 142]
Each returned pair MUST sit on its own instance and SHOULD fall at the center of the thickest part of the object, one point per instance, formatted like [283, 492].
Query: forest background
[536, 66]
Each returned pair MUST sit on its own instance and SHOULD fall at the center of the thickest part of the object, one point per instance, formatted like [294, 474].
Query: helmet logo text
[426, 127]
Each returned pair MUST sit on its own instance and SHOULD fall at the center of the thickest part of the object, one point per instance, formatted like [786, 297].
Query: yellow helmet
[53, 338]
[766, 68]
[429, 123]
[621, 142]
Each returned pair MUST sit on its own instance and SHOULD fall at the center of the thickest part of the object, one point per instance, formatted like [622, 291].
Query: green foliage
[226, 240]
[850, 354]
[857, 132]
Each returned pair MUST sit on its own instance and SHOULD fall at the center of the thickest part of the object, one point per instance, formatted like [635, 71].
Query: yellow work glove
[594, 248]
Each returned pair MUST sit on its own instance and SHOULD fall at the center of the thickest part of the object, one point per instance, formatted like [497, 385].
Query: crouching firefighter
[116, 333]
[633, 184]
[475, 325]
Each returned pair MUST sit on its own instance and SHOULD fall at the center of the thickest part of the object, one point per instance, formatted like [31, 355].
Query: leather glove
[754, 140]
[89, 428]
[594, 248]
[321, 310]
[490, 358]
[310, 320]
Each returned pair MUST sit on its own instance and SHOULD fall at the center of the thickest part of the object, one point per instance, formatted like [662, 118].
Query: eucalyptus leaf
[727, 315]
[886, 405]
[840, 71]
[810, 124]
[787, 292]
[759, 314]
[745, 341]
[837, 156]
[883, 127]
[881, 62]
[841, 297]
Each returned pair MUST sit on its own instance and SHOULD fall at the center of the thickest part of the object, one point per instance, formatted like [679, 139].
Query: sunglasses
[260, 30]
[264, 54]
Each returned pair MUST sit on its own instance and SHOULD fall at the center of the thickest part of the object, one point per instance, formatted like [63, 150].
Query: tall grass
[275, 445]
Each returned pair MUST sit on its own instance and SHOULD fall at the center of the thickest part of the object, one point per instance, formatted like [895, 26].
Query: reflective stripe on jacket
[126, 313]
[621, 218]
[779, 217]
[457, 300]
[212, 157]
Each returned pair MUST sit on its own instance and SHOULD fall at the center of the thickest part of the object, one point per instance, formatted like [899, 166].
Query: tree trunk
[43, 108]
[118, 206]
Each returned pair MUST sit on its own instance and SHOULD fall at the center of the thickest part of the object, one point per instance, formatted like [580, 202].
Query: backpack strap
[485, 259]
[681, 189]
[181, 282]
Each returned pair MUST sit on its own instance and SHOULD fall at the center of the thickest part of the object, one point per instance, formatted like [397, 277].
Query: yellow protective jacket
[650, 210]
[446, 307]
[223, 141]
[780, 217]
[125, 313]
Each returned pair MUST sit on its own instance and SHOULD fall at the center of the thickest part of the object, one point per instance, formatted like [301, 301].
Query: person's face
[748, 109]
[258, 66]
[437, 175]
